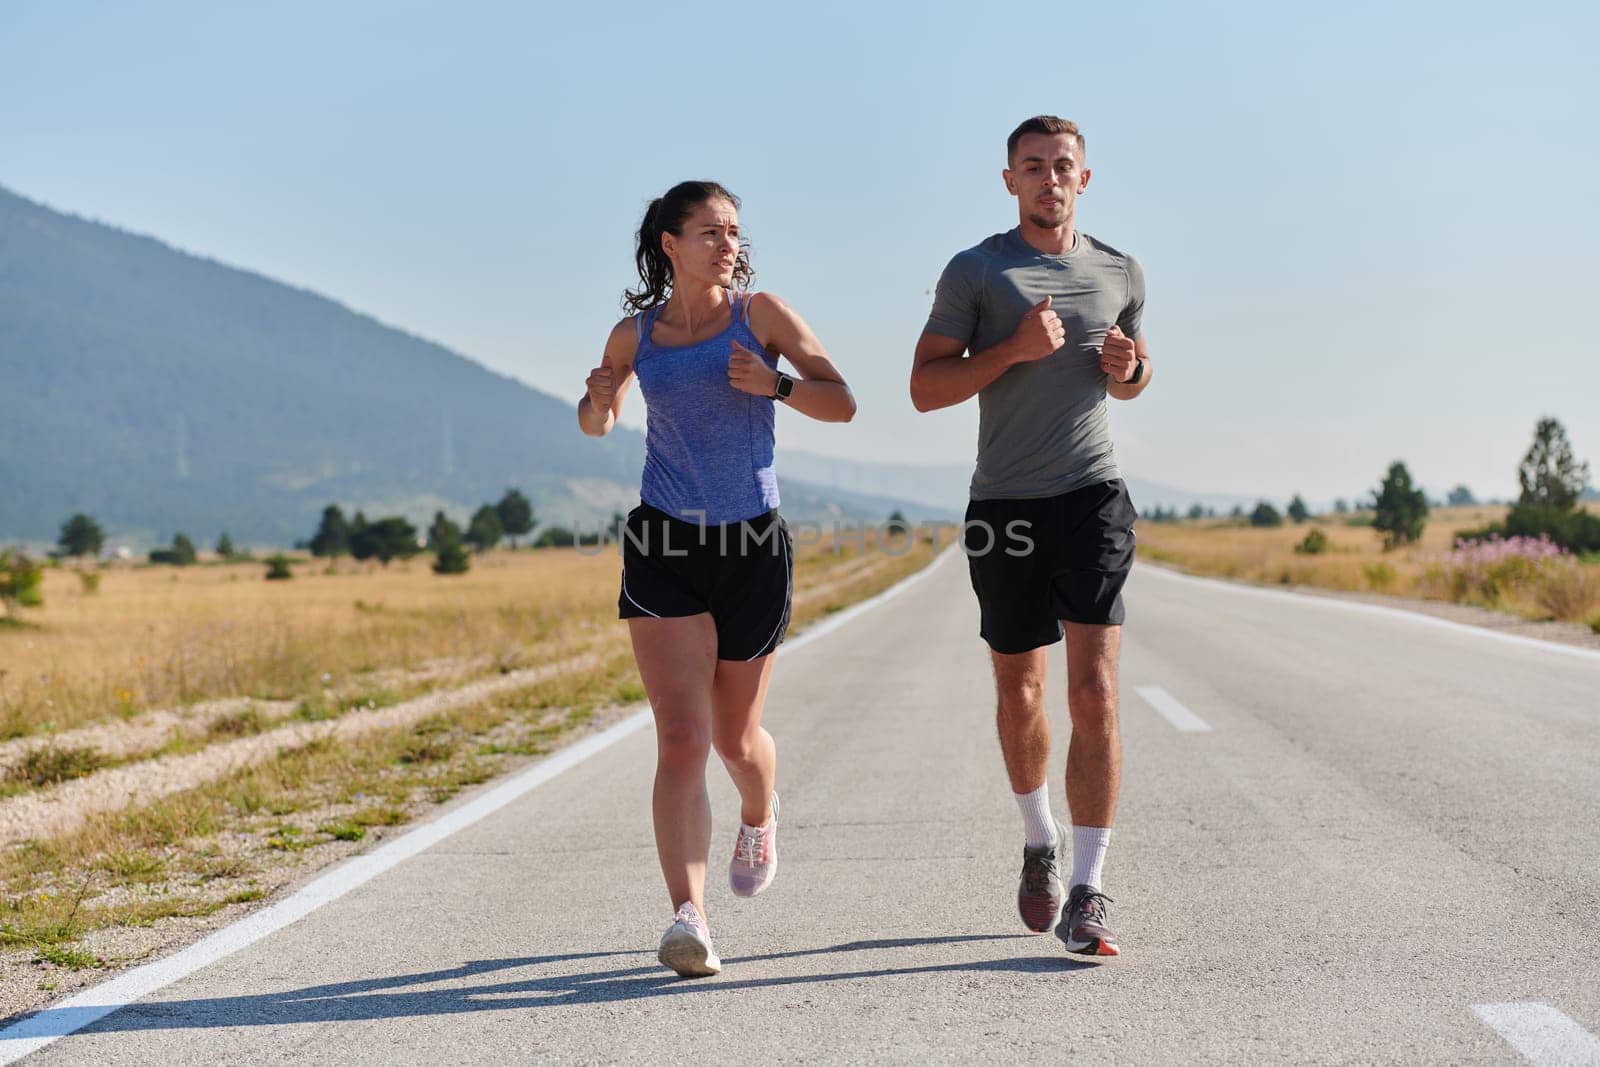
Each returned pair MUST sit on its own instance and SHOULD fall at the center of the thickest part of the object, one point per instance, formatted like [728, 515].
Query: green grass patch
[244, 896]
[132, 867]
[385, 816]
[289, 839]
[246, 721]
[343, 831]
[52, 763]
[76, 959]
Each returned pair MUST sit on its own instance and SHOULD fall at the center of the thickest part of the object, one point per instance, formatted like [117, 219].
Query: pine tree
[81, 536]
[485, 530]
[516, 515]
[1400, 509]
[1550, 475]
[333, 533]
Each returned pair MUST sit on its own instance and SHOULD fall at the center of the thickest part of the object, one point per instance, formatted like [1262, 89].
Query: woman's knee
[740, 746]
[682, 739]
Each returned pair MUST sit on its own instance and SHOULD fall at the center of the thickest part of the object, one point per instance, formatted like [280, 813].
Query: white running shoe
[686, 946]
[755, 856]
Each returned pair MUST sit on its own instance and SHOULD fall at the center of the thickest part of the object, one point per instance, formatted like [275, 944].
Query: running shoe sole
[688, 955]
[1098, 946]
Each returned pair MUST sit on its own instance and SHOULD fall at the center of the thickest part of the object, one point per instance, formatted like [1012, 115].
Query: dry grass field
[1354, 560]
[181, 742]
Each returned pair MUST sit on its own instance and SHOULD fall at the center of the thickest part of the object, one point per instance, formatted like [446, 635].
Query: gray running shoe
[1084, 927]
[686, 946]
[1040, 894]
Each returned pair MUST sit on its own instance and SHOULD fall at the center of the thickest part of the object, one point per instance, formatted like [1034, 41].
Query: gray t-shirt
[1042, 426]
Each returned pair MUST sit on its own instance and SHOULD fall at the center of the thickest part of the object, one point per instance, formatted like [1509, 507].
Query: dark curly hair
[667, 214]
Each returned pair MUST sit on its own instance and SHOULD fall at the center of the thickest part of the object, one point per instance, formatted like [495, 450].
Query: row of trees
[82, 536]
[393, 537]
[1551, 480]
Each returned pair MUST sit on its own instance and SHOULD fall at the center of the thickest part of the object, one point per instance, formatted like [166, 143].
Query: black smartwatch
[1138, 372]
[784, 388]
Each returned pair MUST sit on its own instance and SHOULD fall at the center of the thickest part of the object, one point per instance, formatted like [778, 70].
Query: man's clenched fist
[1117, 355]
[1039, 333]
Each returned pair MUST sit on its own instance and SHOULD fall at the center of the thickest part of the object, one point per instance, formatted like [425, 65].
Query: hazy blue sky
[1369, 233]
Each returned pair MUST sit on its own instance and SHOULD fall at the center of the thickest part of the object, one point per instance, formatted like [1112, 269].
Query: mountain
[161, 391]
[945, 485]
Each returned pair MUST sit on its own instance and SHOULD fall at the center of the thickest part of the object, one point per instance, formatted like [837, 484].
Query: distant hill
[945, 485]
[162, 391]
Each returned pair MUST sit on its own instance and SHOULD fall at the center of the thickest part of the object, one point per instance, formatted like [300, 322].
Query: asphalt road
[1372, 840]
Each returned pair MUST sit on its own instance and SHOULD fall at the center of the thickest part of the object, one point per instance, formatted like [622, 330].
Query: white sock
[1088, 853]
[1037, 821]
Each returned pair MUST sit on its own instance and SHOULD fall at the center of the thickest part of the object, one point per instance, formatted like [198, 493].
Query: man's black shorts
[741, 572]
[1035, 563]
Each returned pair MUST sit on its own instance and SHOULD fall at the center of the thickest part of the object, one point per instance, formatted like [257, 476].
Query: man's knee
[1093, 698]
[1021, 697]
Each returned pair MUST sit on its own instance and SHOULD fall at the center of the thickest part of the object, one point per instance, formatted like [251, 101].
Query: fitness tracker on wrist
[1138, 372]
[784, 388]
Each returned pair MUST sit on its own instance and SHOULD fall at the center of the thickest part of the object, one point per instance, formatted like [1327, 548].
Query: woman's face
[707, 249]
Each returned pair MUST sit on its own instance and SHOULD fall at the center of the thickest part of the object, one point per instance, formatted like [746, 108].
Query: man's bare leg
[1094, 776]
[1025, 743]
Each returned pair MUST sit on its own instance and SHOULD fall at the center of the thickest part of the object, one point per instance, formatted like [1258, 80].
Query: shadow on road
[398, 997]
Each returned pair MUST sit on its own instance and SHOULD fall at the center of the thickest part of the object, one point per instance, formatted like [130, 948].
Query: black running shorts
[741, 572]
[1037, 563]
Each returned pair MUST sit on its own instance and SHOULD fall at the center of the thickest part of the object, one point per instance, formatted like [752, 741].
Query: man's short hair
[1046, 124]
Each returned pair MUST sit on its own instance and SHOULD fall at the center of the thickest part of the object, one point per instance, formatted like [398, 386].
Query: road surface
[1345, 836]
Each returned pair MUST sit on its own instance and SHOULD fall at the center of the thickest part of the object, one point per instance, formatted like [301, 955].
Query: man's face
[1046, 176]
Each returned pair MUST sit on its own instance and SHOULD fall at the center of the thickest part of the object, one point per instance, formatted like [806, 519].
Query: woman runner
[707, 561]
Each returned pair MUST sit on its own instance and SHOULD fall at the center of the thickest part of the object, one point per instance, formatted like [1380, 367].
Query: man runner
[1042, 324]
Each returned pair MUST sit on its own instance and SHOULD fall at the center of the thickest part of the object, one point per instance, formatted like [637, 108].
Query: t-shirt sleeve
[955, 301]
[1132, 318]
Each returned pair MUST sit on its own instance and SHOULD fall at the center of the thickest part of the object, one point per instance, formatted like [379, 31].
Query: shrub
[1490, 572]
[90, 581]
[1380, 576]
[1315, 543]
[181, 554]
[1265, 515]
[1569, 590]
[21, 580]
[53, 763]
[278, 568]
[555, 537]
[451, 558]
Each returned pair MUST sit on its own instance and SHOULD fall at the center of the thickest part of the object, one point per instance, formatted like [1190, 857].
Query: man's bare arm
[941, 375]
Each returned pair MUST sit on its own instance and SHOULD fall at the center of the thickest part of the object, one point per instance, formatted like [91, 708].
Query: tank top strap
[647, 322]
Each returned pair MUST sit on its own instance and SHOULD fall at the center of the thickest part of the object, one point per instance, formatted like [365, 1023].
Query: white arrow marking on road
[1542, 1033]
[1168, 707]
[96, 1002]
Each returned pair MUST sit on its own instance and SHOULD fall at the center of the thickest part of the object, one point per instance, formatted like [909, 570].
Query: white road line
[97, 1002]
[1542, 1033]
[1146, 567]
[1170, 709]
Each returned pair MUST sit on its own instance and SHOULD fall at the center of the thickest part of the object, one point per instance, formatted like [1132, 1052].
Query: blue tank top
[708, 446]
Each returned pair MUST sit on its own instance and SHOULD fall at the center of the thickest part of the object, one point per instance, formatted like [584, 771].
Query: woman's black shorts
[1036, 563]
[740, 572]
